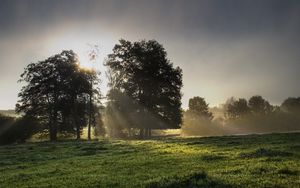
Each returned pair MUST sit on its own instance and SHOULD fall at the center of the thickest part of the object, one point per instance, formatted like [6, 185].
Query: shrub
[14, 130]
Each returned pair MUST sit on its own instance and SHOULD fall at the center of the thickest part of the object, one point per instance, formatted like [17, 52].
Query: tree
[259, 105]
[197, 120]
[57, 93]
[199, 107]
[291, 105]
[236, 108]
[142, 72]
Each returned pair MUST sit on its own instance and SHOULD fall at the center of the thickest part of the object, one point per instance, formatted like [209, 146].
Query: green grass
[231, 161]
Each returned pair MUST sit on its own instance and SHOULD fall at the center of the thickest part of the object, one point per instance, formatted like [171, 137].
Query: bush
[14, 130]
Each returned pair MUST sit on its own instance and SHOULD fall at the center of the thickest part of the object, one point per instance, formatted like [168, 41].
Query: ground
[271, 160]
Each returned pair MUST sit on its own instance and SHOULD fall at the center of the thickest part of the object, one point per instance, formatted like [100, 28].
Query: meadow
[271, 160]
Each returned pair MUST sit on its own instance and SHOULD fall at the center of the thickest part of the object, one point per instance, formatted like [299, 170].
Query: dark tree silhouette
[199, 107]
[259, 105]
[57, 93]
[236, 108]
[19, 129]
[142, 72]
[291, 105]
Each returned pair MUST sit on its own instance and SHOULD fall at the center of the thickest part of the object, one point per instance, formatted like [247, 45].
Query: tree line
[61, 97]
[243, 116]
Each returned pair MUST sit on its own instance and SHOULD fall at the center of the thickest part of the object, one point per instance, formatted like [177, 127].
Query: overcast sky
[225, 48]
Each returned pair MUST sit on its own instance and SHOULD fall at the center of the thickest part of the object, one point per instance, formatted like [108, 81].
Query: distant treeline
[241, 116]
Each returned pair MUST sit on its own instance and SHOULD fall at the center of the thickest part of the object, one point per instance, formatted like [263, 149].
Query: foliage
[58, 93]
[238, 117]
[197, 120]
[141, 74]
[259, 105]
[231, 161]
[17, 129]
[291, 105]
[237, 108]
[199, 107]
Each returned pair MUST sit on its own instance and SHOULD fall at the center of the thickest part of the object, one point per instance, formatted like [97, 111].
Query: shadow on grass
[287, 171]
[238, 140]
[262, 152]
[47, 151]
[212, 157]
[198, 179]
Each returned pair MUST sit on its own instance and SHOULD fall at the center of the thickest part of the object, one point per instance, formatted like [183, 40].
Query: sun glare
[85, 63]
[82, 46]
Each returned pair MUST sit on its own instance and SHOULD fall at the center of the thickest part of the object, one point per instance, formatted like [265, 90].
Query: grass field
[232, 161]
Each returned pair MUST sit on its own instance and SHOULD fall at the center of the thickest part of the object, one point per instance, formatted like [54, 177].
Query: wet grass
[231, 161]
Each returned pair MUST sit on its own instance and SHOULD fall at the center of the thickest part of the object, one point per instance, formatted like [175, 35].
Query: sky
[225, 48]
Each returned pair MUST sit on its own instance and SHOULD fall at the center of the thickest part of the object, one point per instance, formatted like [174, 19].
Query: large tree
[142, 72]
[56, 92]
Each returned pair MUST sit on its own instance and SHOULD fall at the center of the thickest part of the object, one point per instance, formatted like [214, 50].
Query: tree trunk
[90, 114]
[142, 133]
[77, 132]
[52, 121]
[89, 132]
[146, 133]
[75, 116]
[149, 132]
[53, 127]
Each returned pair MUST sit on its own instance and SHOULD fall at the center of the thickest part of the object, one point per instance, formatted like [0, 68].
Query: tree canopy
[142, 73]
[57, 92]
[258, 105]
[199, 107]
[291, 104]
[237, 108]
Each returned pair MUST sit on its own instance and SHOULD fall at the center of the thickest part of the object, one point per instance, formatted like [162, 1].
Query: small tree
[197, 119]
[259, 105]
[236, 108]
[199, 107]
[17, 129]
[291, 105]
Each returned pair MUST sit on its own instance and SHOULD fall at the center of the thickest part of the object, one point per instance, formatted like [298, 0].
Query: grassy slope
[232, 161]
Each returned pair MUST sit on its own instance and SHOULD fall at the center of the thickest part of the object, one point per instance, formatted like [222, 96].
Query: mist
[276, 121]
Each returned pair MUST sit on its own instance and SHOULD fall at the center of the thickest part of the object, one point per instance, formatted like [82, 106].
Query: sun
[90, 58]
[81, 44]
